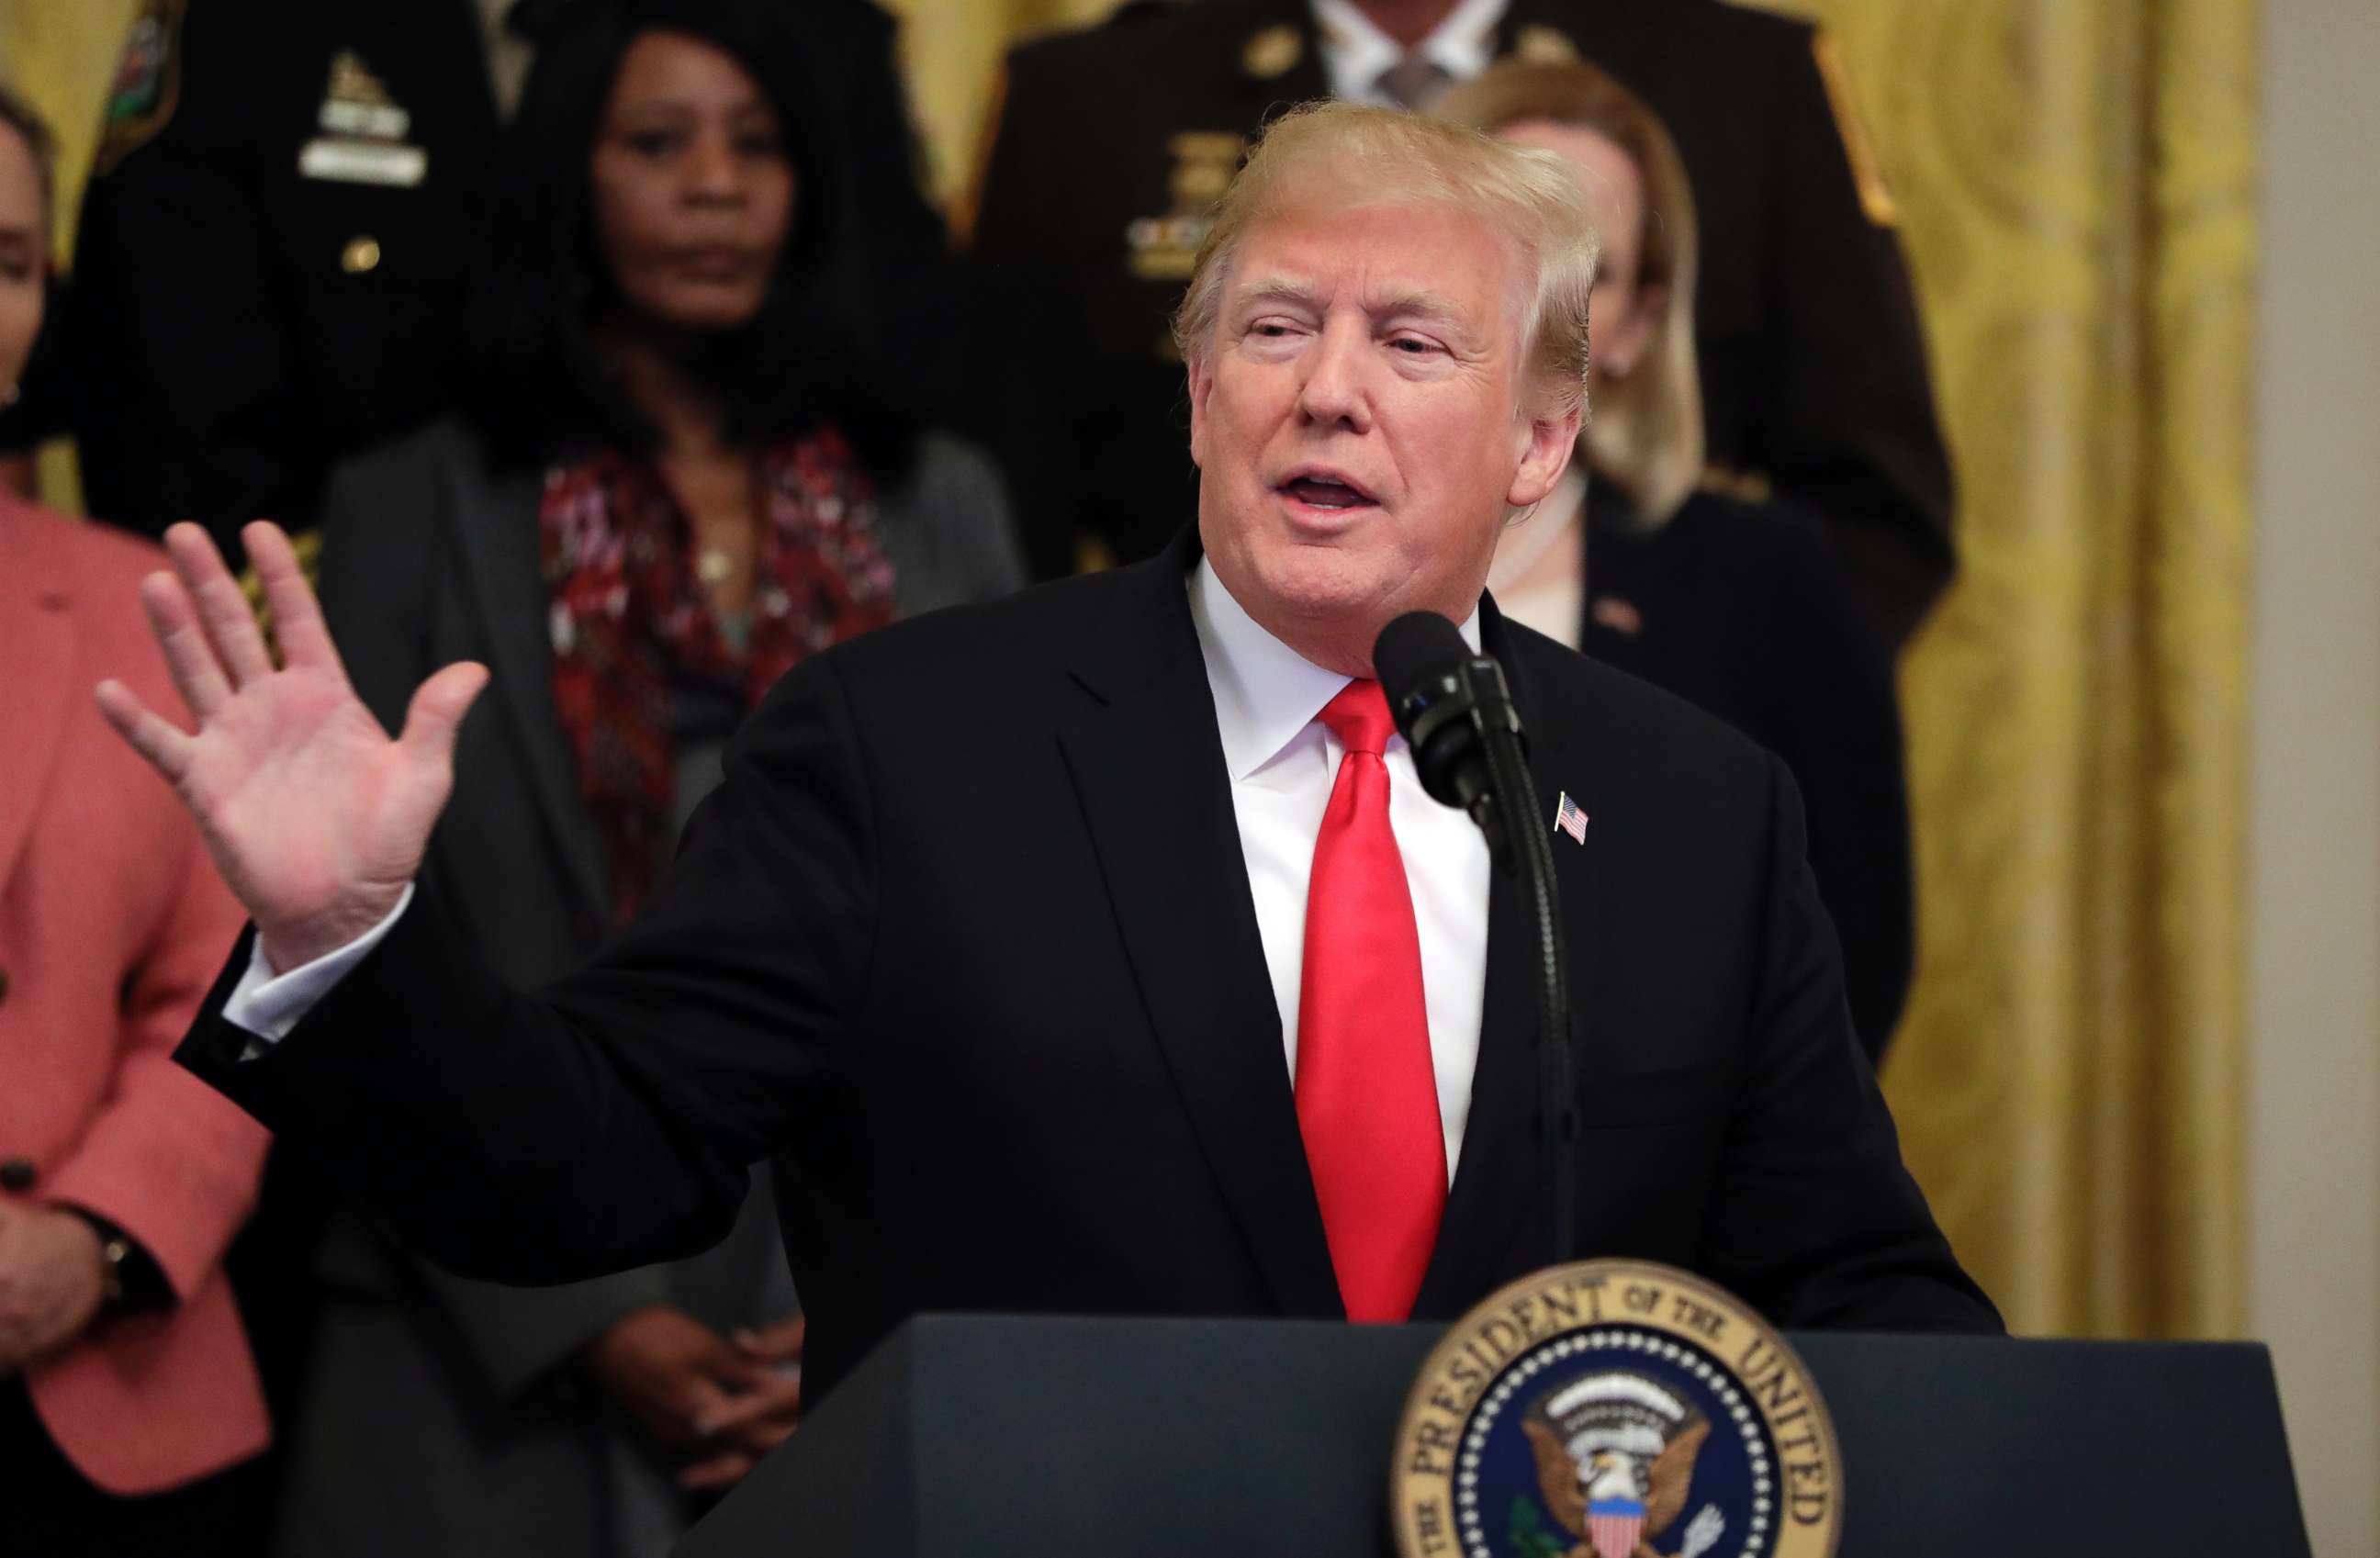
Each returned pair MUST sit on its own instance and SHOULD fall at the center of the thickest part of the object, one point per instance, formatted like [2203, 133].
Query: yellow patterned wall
[2078, 183]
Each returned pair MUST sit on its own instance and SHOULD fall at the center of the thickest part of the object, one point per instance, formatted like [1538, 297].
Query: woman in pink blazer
[128, 1395]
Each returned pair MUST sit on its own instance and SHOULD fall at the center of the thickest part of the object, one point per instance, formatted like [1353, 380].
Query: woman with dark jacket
[680, 477]
[1732, 602]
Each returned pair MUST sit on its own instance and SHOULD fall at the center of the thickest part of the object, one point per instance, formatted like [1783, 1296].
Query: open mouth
[1327, 492]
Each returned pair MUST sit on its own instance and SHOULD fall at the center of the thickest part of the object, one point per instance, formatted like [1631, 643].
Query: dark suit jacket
[1738, 608]
[965, 939]
[1812, 365]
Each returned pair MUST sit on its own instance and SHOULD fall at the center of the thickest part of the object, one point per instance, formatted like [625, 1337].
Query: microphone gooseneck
[1455, 711]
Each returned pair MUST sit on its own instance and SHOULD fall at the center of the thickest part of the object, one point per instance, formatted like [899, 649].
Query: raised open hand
[315, 817]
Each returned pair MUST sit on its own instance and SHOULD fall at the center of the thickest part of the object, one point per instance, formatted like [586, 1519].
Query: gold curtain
[2077, 180]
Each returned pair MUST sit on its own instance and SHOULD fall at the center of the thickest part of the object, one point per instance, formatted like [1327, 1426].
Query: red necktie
[1366, 1094]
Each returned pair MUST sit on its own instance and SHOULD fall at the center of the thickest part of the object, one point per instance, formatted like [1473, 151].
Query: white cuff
[267, 1005]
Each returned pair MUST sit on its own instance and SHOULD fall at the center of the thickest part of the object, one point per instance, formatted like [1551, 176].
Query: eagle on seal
[1615, 1458]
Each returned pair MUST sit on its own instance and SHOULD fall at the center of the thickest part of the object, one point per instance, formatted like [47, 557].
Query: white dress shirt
[1283, 762]
[1356, 53]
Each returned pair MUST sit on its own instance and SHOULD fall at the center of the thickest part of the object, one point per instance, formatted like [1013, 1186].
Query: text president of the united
[1096, 951]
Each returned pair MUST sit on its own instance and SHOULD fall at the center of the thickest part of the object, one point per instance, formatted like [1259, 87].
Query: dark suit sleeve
[188, 405]
[1036, 412]
[1850, 427]
[380, 525]
[606, 1123]
[1815, 1220]
[1831, 677]
[522, 1339]
[1007, 221]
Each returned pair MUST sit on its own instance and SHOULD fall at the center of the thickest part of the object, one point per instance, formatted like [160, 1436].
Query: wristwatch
[125, 1269]
[113, 1250]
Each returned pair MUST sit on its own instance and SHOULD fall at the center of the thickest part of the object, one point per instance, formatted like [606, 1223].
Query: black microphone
[1447, 701]
[1455, 712]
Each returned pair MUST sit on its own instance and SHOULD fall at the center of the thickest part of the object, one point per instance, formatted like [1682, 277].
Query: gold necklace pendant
[714, 565]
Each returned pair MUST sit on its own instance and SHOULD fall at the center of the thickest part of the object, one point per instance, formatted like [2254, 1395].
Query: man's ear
[1542, 458]
[1202, 380]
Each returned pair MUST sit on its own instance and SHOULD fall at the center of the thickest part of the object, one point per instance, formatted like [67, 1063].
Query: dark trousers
[50, 1509]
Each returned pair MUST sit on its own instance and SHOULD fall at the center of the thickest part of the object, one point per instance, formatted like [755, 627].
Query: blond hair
[1648, 432]
[1378, 156]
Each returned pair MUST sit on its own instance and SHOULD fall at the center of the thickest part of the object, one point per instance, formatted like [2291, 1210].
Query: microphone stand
[1516, 836]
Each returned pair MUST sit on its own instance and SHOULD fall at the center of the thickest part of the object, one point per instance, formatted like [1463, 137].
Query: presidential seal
[1615, 1409]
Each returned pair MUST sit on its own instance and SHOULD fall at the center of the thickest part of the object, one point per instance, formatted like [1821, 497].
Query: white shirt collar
[1355, 50]
[508, 55]
[1266, 693]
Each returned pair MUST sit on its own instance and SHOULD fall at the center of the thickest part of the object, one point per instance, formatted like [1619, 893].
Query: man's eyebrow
[1436, 311]
[1420, 303]
[1416, 303]
[1277, 289]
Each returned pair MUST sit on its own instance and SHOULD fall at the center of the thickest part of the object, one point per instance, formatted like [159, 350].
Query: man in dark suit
[1005, 921]
[273, 260]
[1114, 144]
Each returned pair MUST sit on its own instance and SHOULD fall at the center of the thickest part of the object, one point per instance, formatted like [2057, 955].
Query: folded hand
[51, 1282]
[721, 1404]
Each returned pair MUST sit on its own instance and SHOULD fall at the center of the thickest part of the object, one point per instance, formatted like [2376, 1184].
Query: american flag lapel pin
[1568, 819]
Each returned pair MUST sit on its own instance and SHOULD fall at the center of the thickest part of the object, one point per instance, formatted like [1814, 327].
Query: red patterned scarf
[627, 609]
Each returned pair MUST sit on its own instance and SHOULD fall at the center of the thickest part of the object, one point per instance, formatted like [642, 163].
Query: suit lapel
[37, 645]
[1147, 767]
[1496, 1210]
[496, 539]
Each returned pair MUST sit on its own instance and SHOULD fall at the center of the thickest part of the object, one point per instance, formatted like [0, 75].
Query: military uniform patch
[364, 133]
[1273, 52]
[148, 83]
[1615, 1409]
[1165, 248]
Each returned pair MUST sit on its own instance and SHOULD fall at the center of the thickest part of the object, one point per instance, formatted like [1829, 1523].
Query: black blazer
[965, 940]
[1812, 357]
[1738, 608]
